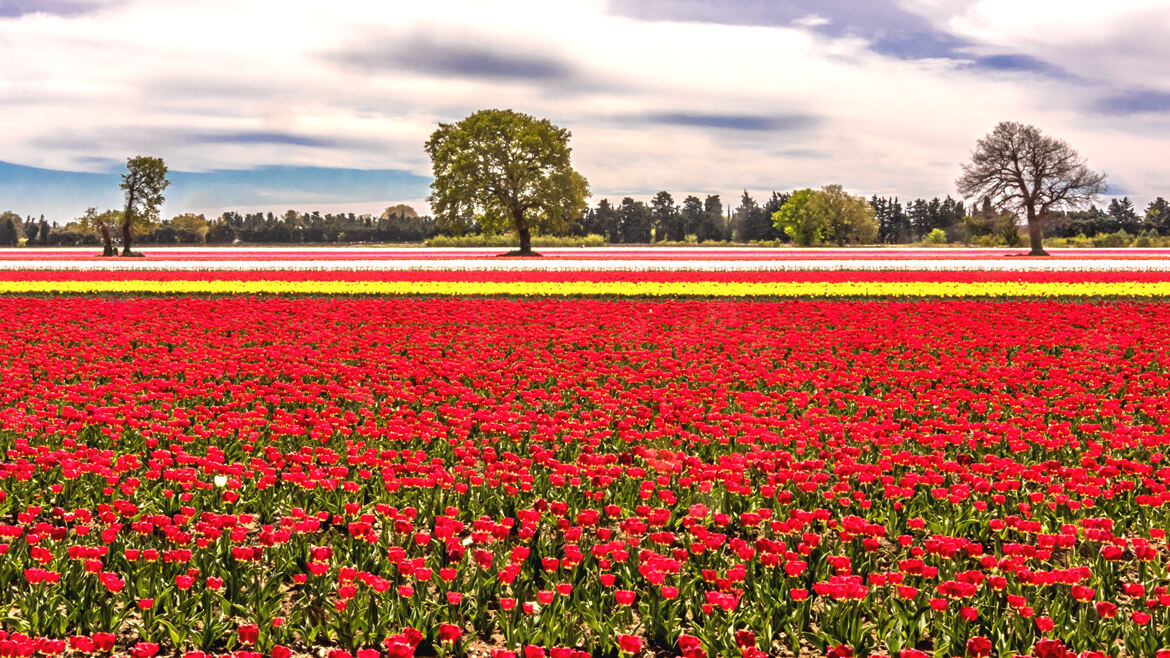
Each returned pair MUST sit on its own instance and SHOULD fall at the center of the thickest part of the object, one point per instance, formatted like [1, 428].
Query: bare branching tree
[1024, 171]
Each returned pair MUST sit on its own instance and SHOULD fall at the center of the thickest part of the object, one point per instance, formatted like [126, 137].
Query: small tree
[401, 210]
[46, 231]
[503, 170]
[104, 224]
[797, 221]
[848, 219]
[712, 226]
[668, 223]
[811, 217]
[7, 231]
[31, 229]
[1158, 216]
[1024, 171]
[144, 182]
[12, 225]
[190, 227]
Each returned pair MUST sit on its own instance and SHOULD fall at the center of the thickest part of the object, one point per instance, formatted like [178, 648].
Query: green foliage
[668, 223]
[1118, 239]
[190, 227]
[31, 231]
[935, 237]
[1009, 234]
[752, 222]
[799, 221]
[812, 217]
[103, 225]
[144, 182]
[849, 219]
[1158, 216]
[502, 170]
[1148, 239]
[7, 232]
[509, 239]
[712, 226]
[9, 228]
[636, 220]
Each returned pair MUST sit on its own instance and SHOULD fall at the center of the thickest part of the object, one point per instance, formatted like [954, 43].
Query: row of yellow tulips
[606, 288]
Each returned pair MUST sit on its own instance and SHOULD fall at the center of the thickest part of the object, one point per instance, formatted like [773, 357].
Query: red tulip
[978, 647]
[248, 634]
[629, 643]
[449, 632]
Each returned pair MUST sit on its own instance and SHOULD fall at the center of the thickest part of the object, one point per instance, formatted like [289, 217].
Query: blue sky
[276, 105]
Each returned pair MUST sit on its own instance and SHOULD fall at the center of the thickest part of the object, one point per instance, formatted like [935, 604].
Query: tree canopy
[144, 182]
[798, 221]
[812, 217]
[503, 170]
[1022, 170]
[848, 219]
[103, 224]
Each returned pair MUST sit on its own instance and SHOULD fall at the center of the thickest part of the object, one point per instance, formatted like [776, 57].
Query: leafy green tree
[799, 220]
[1088, 223]
[11, 219]
[668, 223]
[752, 223]
[602, 221]
[103, 224]
[637, 221]
[1024, 171]
[812, 217]
[144, 182]
[31, 230]
[712, 227]
[504, 170]
[190, 227]
[7, 231]
[221, 232]
[692, 215]
[893, 222]
[1126, 216]
[918, 216]
[1158, 216]
[848, 219]
[776, 202]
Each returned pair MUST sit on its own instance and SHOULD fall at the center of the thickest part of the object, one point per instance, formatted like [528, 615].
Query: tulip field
[598, 453]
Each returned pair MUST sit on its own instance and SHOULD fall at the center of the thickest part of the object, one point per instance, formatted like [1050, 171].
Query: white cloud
[811, 20]
[1120, 43]
[160, 77]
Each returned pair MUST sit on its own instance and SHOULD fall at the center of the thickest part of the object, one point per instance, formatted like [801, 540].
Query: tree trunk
[127, 218]
[525, 241]
[107, 242]
[126, 236]
[1036, 236]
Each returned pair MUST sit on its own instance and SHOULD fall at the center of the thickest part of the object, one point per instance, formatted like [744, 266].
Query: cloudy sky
[326, 105]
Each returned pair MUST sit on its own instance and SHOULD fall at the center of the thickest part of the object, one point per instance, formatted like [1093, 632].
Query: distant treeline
[628, 221]
[397, 224]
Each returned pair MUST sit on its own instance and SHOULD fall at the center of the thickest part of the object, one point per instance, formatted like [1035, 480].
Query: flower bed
[259, 254]
[553, 276]
[573, 260]
[851, 288]
[608, 477]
